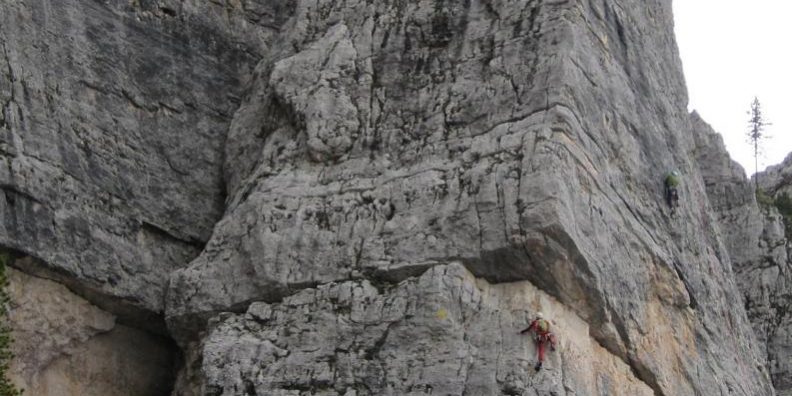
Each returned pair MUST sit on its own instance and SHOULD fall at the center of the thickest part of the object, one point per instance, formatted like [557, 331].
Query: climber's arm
[529, 328]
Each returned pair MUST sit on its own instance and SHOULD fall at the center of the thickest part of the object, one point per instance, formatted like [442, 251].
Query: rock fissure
[126, 311]
[290, 183]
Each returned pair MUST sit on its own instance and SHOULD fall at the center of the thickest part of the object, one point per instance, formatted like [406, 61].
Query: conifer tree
[756, 134]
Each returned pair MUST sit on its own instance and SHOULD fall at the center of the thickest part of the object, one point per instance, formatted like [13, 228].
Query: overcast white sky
[733, 50]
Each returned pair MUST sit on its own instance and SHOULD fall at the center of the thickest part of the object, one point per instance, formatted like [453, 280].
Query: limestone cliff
[317, 197]
[777, 179]
[758, 246]
[66, 346]
[769, 288]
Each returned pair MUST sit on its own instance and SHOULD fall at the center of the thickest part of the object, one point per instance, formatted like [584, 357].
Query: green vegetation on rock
[6, 387]
[784, 205]
[782, 202]
[763, 199]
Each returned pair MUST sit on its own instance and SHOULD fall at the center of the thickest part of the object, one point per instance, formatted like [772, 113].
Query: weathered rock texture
[758, 246]
[66, 346]
[445, 330]
[770, 283]
[113, 123]
[527, 140]
[359, 198]
[777, 179]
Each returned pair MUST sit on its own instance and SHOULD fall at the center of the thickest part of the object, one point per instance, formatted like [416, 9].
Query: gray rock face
[445, 332]
[457, 146]
[768, 293]
[758, 246]
[359, 198]
[777, 179]
[771, 280]
[113, 122]
[526, 140]
[66, 346]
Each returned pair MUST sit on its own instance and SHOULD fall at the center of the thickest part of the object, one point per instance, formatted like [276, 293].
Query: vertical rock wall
[770, 287]
[113, 120]
[777, 179]
[445, 331]
[113, 123]
[527, 140]
[353, 198]
[760, 250]
[66, 346]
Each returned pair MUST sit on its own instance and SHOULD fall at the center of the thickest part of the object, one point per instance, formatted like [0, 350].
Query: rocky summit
[348, 198]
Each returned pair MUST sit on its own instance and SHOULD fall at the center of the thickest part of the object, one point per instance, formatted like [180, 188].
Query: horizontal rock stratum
[316, 197]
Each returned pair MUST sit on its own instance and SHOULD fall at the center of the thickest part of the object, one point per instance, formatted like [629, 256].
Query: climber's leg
[540, 345]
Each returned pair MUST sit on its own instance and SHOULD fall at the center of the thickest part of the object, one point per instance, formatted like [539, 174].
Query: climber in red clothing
[541, 327]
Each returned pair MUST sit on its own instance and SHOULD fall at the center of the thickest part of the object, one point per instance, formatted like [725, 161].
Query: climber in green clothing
[671, 184]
